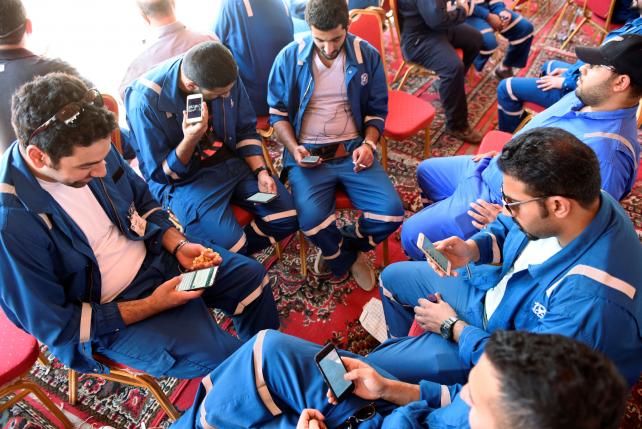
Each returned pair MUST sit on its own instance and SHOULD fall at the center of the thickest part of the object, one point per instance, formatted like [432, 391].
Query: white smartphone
[433, 254]
[194, 108]
[261, 198]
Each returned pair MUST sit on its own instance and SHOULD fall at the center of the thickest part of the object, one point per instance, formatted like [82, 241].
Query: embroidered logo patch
[364, 79]
[539, 310]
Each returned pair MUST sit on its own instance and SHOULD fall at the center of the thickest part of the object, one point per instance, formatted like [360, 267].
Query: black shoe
[504, 74]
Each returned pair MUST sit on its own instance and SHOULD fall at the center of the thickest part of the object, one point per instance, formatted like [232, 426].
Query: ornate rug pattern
[314, 308]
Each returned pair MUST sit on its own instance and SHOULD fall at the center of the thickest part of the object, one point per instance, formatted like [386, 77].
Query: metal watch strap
[372, 145]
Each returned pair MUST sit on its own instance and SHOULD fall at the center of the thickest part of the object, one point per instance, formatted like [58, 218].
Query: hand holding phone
[332, 369]
[199, 279]
[433, 255]
[261, 198]
[194, 107]
[310, 159]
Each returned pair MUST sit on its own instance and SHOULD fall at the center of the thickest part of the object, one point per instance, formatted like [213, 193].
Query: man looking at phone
[328, 102]
[198, 168]
[90, 263]
[564, 258]
[522, 380]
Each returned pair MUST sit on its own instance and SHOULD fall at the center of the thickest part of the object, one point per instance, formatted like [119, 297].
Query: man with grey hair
[197, 169]
[169, 38]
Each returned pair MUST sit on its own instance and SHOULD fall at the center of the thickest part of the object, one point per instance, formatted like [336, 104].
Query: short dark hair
[554, 382]
[37, 101]
[210, 65]
[326, 15]
[13, 19]
[155, 8]
[551, 161]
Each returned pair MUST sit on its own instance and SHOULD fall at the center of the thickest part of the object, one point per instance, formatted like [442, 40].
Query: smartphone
[199, 279]
[194, 108]
[433, 254]
[332, 369]
[261, 198]
[311, 159]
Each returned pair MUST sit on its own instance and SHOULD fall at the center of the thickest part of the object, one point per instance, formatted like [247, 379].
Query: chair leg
[384, 153]
[386, 258]
[303, 255]
[72, 386]
[279, 251]
[427, 142]
[150, 383]
[570, 37]
[27, 387]
[43, 359]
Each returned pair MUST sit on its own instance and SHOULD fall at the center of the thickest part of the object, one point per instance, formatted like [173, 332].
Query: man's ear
[37, 157]
[191, 86]
[28, 26]
[621, 83]
[559, 207]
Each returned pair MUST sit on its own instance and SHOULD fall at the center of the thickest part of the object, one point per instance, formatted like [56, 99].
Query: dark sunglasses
[362, 415]
[509, 203]
[70, 112]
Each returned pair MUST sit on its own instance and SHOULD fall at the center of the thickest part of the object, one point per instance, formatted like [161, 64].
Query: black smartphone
[261, 198]
[194, 108]
[332, 369]
[310, 159]
[199, 279]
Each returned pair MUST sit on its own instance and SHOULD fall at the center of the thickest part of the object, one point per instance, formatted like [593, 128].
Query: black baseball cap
[623, 53]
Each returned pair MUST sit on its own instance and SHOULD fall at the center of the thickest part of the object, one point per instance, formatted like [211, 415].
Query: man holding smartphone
[329, 99]
[198, 167]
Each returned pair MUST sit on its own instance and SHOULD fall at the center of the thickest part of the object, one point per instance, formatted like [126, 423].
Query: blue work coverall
[513, 92]
[587, 291]
[271, 379]
[51, 285]
[200, 196]
[255, 31]
[313, 189]
[454, 182]
[519, 33]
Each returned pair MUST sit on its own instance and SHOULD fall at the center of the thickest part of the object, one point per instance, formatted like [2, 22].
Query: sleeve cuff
[106, 319]
[173, 167]
[431, 393]
[471, 344]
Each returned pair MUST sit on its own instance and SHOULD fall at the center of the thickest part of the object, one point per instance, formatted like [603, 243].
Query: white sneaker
[362, 273]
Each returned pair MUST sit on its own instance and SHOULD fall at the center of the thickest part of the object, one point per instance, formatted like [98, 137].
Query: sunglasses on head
[68, 113]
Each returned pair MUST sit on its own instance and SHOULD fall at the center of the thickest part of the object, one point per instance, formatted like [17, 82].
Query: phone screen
[333, 370]
[430, 251]
[261, 197]
[312, 159]
[198, 279]
[194, 108]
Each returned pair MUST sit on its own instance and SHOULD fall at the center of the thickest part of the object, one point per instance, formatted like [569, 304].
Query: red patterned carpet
[312, 308]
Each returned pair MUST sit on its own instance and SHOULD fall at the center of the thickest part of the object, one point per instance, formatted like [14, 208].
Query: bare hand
[558, 71]
[362, 157]
[311, 419]
[430, 315]
[187, 253]
[457, 252]
[266, 182]
[483, 213]
[495, 21]
[196, 130]
[546, 83]
[166, 296]
[481, 156]
[301, 152]
[368, 384]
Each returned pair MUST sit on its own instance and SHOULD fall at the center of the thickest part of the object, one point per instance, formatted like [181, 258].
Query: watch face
[446, 329]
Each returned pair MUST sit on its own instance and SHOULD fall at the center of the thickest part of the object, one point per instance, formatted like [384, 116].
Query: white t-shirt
[119, 258]
[328, 116]
[535, 253]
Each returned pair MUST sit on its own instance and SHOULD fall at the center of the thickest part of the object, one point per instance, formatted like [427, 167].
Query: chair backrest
[366, 24]
[602, 8]
[112, 105]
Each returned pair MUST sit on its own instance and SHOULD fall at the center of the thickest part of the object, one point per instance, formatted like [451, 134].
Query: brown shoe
[467, 134]
[503, 73]
[362, 274]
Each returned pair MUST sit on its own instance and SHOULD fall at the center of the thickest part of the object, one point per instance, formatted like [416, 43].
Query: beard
[593, 96]
[528, 235]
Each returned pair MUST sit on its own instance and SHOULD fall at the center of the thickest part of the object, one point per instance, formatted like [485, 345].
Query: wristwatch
[259, 169]
[447, 327]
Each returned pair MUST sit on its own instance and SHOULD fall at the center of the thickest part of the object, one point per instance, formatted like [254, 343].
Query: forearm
[185, 149]
[473, 249]
[255, 161]
[171, 238]
[371, 134]
[457, 330]
[137, 310]
[285, 134]
[400, 393]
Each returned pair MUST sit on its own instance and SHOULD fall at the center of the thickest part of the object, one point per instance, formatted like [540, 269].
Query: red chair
[494, 141]
[342, 202]
[112, 105]
[407, 114]
[597, 13]
[18, 352]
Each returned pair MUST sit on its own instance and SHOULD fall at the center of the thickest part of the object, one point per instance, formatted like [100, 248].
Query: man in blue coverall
[522, 380]
[489, 16]
[90, 262]
[328, 98]
[198, 169]
[255, 31]
[558, 78]
[564, 259]
[466, 190]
